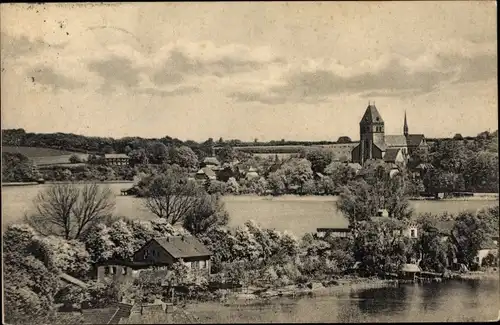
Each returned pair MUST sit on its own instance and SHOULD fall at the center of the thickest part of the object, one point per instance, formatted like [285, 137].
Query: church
[375, 144]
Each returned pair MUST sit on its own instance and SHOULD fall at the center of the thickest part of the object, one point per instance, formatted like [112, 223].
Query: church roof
[381, 145]
[395, 140]
[414, 140]
[391, 154]
[371, 115]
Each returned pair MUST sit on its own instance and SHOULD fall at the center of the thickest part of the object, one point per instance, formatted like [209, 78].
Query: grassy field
[44, 156]
[32, 152]
[294, 214]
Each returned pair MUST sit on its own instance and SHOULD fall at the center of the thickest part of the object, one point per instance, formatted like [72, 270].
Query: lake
[441, 302]
[297, 215]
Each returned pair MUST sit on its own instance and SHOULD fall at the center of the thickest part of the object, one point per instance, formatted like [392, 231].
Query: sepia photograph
[249, 162]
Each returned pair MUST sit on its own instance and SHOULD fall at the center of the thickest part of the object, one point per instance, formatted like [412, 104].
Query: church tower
[371, 131]
[405, 127]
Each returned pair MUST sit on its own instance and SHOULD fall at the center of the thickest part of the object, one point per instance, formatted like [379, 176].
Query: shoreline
[284, 197]
[255, 296]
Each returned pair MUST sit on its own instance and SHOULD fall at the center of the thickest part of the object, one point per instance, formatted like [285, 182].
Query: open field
[44, 156]
[32, 152]
[297, 215]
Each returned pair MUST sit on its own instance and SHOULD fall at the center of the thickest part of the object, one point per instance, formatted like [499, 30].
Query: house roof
[371, 115]
[391, 154]
[424, 166]
[116, 155]
[410, 268]
[381, 145]
[395, 140]
[414, 140]
[183, 246]
[211, 161]
[207, 171]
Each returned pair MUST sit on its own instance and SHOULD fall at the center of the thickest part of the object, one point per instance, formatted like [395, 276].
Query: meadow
[32, 152]
[294, 214]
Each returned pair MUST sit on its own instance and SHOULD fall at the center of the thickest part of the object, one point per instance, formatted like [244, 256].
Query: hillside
[34, 152]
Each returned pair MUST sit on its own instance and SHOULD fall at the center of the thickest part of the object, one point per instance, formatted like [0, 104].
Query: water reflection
[448, 301]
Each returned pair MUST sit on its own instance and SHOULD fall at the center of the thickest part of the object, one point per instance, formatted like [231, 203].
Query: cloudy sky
[248, 70]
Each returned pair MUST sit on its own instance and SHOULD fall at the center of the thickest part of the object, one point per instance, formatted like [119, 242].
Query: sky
[256, 70]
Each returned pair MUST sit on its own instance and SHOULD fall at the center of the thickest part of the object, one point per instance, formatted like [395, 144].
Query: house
[158, 252]
[395, 156]
[205, 174]
[165, 251]
[409, 271]
[342, 232]
[116, 159]
[210, 162]
[409, 230]
[251, 174]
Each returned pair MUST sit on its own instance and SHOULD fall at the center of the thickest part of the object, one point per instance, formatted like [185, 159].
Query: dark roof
[414, 140]
[395, 140]
[391, 155]
[183, 246]
[345, 229]
[381, 145]
[371, 115]
[109, 315]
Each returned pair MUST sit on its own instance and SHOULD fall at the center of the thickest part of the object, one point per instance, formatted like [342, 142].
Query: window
[106, 270]
[413, 233]
[203, 264]
[146, 254]
[113, 270]
[124, 270]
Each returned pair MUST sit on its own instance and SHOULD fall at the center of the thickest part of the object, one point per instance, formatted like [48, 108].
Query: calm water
[450, 301]
[294, 214]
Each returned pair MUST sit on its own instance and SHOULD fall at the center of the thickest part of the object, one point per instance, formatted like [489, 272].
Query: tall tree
[68, 211]
[375, 189]
[319, 158]
[209, 212]
[171, 195]
[184, 157]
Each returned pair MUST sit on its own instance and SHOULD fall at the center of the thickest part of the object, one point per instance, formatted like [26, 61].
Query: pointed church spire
[405, 127]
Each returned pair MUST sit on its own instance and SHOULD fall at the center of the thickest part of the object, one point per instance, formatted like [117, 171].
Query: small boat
[40, 181]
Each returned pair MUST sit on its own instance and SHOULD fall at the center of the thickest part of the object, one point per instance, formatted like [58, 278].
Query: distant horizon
[216, 139]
